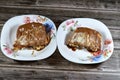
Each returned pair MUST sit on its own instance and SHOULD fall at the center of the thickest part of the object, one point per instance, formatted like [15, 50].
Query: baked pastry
[84, 37]
[32, 36]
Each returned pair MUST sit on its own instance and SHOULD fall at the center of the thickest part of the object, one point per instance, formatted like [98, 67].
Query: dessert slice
[31, 36]
[84, 37]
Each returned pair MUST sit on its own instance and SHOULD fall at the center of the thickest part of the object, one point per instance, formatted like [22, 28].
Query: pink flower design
[7, 49]
[107, 41]
[105, 52]
[27, 20]
[69, 22]
[97, 53]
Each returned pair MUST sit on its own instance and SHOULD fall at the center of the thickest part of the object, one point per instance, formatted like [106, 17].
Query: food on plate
[31, 36]
[84, 37]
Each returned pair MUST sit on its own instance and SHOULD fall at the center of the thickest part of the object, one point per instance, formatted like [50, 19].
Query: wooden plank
[37, 74]
[61, 14]
[57, 62]
[18, 2]
[116, 44]
[99, 4]
[115, 34]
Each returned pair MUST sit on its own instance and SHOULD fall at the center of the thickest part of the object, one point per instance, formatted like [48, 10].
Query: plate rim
[84, 62]
[33, 59]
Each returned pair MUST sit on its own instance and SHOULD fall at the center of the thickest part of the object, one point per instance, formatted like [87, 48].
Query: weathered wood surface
[56, 67]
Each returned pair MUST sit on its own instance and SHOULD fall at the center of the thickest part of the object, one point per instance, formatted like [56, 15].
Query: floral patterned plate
[8, 36]
[83, 56]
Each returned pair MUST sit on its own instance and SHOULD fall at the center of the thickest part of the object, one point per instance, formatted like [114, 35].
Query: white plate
[8, 36]
[83, 56]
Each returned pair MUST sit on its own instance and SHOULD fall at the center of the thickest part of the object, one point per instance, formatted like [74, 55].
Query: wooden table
[56, 67]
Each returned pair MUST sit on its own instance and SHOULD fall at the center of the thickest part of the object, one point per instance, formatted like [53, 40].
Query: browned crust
[31, 36]
[84, 37]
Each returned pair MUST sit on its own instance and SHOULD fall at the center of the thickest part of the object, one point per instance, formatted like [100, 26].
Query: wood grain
[97, 4]
[61, 13]
[34, 74]
[56, 67]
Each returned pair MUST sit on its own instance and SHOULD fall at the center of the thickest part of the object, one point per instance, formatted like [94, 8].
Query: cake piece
[84, 37]
[31, 36]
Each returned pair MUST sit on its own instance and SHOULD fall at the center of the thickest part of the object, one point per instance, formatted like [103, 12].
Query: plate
[8, 37]
[83, 56]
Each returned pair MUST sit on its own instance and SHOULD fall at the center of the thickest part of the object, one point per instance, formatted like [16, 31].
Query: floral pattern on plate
[43, 20]
[7, 49]
[7, 41]
[96, 57]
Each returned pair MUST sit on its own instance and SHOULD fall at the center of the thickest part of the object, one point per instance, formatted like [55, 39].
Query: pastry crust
[84, 37]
